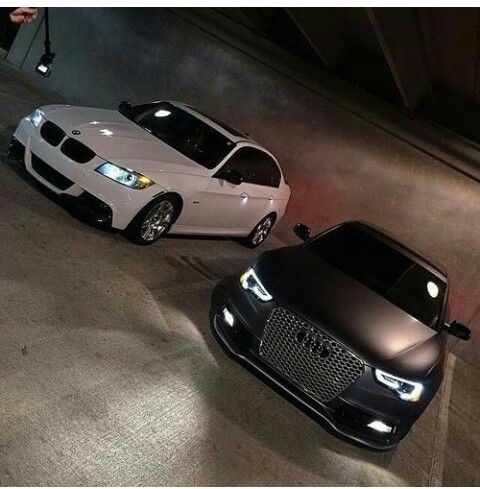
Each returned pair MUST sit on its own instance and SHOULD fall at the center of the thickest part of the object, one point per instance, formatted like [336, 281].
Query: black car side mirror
[459, 330]
[232, 176]
[302, 231]
[123, 106]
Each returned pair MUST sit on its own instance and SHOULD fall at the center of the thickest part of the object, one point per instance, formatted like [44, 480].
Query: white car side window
[255, 166]
[240, 163]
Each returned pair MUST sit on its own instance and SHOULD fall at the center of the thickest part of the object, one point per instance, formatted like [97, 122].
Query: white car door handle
[244, 195]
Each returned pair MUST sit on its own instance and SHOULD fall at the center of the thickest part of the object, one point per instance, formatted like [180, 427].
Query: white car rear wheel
[260, 232]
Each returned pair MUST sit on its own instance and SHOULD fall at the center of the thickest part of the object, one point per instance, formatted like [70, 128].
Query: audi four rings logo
[313, 343]
[75, 132]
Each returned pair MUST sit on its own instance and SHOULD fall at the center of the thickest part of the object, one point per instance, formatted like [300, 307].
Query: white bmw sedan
[154, 168]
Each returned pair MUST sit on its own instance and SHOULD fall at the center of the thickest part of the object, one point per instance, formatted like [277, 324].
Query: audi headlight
[249, 281]
[36, 117]
[124, 176]
[405, 389]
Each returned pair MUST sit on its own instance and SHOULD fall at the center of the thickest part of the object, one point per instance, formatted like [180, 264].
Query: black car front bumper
[348, 415]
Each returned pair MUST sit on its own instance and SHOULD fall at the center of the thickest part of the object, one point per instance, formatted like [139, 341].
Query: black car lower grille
[50, 174]
[77, 151]
[51, 133]
[313, 360]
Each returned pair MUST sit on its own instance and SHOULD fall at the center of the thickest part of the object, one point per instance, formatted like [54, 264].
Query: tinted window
[182, 131]
[266, 170]
[383, 269]
[223, 125]
[255, 166]
[239, 163]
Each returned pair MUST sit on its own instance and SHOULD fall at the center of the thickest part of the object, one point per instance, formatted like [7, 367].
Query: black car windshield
[390, 273]
[182, 131]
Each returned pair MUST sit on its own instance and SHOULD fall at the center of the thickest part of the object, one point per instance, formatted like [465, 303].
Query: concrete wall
[339, 164]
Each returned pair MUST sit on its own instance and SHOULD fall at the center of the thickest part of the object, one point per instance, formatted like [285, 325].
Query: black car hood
[379, 332]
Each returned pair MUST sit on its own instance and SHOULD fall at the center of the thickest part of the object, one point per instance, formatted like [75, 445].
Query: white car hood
[115, 138]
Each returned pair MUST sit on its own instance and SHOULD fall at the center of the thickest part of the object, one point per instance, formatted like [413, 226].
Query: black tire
[253, 239]
[137, 230]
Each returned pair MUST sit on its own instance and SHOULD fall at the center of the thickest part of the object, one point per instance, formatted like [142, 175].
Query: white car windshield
[182, 131]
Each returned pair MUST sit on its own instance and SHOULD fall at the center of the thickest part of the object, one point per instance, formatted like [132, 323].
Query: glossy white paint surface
[210, 205]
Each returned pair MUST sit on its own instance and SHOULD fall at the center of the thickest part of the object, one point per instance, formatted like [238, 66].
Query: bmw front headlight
[36, 117]
[249, 281]
[405, 389]
[125, 176]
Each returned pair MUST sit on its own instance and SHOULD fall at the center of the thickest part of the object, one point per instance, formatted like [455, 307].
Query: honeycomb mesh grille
[307, 356]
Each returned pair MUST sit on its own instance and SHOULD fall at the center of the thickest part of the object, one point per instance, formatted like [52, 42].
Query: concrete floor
[109, 374]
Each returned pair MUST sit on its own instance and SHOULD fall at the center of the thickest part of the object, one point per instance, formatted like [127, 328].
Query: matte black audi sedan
[349, 325]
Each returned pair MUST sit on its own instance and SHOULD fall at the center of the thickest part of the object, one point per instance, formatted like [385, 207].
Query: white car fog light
[380, 426]
[228, 317]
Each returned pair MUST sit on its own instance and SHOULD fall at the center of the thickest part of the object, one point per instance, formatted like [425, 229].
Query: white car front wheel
[153, 221]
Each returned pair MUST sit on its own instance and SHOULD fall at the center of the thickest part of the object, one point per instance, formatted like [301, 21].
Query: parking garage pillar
[398, 33]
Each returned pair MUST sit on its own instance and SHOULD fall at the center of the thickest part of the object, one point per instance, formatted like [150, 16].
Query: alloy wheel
[262, 231]
[157, 220]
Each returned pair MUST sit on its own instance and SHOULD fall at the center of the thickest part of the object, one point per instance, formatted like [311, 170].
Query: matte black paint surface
[377, 331]
[369, 325]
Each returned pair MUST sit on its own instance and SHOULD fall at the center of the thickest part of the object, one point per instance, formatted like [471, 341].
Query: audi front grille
[51, 133]
[77, 151]
[308, 357]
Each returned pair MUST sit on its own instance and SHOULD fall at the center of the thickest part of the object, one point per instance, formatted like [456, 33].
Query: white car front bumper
[124, 202]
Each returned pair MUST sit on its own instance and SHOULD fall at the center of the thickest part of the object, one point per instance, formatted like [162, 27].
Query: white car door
[236, 209]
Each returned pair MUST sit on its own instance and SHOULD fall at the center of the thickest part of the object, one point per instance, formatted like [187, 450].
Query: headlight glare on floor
[405, 389]
[36, 117]
[249, 281]
[124, 176]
